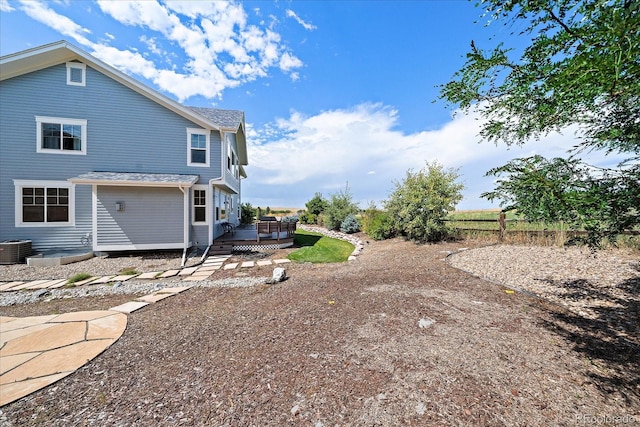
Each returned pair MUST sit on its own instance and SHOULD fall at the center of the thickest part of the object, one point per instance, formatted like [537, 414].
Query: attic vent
[76, 73]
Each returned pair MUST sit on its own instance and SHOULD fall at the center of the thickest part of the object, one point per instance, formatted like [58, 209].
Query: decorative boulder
[279, 275]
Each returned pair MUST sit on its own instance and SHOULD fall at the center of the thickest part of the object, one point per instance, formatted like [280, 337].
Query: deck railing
[278, 227]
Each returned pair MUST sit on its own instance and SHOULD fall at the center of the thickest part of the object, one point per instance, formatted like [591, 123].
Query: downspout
[185, 225]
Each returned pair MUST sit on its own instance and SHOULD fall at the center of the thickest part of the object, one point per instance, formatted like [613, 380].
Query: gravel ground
[397, 337]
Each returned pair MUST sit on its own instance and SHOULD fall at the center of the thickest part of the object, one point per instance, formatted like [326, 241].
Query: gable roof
[45, 56]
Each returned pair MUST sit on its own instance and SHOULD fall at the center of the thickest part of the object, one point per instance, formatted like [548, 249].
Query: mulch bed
[342, 345]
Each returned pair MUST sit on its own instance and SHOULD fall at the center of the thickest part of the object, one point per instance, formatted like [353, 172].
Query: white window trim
[206, 133]
[207, 206]
[19, 184]
[63, 121]
[79, 66]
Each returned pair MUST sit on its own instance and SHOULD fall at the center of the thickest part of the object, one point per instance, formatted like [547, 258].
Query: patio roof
[136, 179]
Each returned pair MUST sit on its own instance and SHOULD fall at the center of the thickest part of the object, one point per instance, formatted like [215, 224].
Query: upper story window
[76, 74]
[44, 203]
[60, 135]
[197, 147]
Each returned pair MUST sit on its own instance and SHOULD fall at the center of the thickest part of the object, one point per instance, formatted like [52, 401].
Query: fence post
[503, 226]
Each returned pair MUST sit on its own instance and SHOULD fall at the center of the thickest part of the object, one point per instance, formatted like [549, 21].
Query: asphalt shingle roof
[149, 178]
[228, 119]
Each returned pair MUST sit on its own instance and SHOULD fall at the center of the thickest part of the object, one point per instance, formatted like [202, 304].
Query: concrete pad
[263, 263]
[8, 286]
[7, 363]
[231, 266]
[149, 275]
[282, 261]
[169, 273]
[129, 307]
[151, 298]
[14, 391]
[65, 359]
[218, 258]
[247, 264]
[123, 277]
[174, 290]
[110, 327]
[187, 271]
[58, 335]
[102, 280]
[81, 316]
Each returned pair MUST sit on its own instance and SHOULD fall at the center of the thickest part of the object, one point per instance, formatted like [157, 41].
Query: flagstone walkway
[40, 350]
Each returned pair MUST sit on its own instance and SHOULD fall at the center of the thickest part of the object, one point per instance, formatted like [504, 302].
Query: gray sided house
[90, 156]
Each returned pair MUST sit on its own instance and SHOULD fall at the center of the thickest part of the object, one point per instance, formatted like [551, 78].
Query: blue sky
[333, 91]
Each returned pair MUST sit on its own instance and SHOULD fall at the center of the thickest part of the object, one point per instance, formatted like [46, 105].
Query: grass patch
[129, 271]
[78, 278]
[316, 248]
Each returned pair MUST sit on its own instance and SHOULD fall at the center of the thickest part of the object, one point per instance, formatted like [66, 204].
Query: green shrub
[350, 225]
[247, 213]
[308, 218]
[340, 205]
[78, 278]
[378, 224]
[420, 204]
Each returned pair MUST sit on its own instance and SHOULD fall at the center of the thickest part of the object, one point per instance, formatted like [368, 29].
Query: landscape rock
[279, 275]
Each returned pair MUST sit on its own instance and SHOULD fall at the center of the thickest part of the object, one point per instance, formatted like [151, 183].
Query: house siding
[137, 224]
[126, 132]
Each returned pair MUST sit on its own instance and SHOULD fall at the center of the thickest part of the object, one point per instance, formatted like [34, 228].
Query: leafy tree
[339, 206]
[581, 67]
[316, 205]
[421, 202]
[602, 202]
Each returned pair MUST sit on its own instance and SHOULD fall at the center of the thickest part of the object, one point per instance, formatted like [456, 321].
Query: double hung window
[197, 147]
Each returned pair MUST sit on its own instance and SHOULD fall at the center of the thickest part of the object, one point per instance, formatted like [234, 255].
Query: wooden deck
[262, 235]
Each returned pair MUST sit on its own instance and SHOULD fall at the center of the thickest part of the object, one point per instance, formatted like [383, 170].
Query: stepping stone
[263, 263]
[123, 277]
[129, 307]
[154, 297]
[8, 286]
[282, 261]
[248, 264]
[174, 290]
[209, 268]
[55, 284]
[102, 280]
[231, 266]
[46, 284]
[149, 275]
[187, 271]
[218, 258]
[29, 284]
[86, 281]
[169, 273]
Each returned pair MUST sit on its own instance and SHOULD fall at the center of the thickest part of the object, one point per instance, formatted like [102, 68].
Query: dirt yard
[396, 338]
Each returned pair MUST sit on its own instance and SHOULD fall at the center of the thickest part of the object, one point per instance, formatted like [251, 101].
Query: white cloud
[305, 25]
[5, 6]
[302, 154]
[220, 48]
[42, 13]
